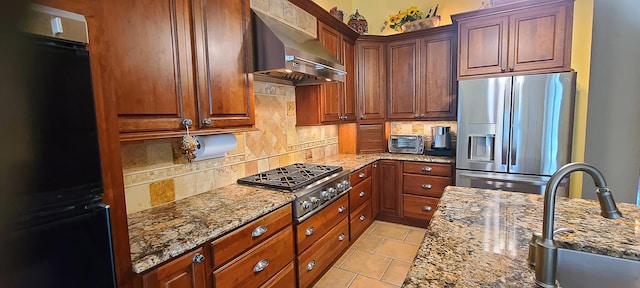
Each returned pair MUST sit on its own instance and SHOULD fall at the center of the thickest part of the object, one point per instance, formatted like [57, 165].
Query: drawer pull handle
[361, 194]
[362, 175]
[310, 265]
[261, 265]
[427, 208]
[309, 231]
[341, 237]
[259, 231]
[361, 217]
[427, 169]
[341, 209]
[426, 186]
[198, 258]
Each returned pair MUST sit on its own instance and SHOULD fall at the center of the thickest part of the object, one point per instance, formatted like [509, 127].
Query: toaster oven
[406, 144]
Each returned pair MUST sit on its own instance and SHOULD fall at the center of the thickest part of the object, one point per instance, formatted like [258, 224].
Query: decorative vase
[358, 23]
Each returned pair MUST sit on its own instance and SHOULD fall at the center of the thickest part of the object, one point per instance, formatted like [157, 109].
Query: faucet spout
[546, 250]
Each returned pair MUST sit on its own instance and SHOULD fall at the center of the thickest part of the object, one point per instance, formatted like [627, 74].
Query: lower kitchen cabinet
[310, 230]
[419, 207]
[313, 262]
[423, 185]
[286, 278]
[360, 216]
[187, 271]
[388, 187]
[360, 220]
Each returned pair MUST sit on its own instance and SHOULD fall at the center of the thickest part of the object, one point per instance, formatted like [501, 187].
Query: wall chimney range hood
[283, 52]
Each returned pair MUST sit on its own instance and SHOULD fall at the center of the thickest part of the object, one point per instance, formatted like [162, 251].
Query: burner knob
[340, 187]
[346, 184]
[332, 191]
[306, 205]
[325, 195]
[315, 201]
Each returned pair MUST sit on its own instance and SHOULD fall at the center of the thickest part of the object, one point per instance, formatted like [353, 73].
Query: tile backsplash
[155, 172]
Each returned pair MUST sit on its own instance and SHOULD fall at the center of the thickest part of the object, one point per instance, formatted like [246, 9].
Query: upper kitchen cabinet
[372, 78]
[421, 83]
[147, 67]
[169, 61]
[521, 37]
[335, 102]
[223, 63]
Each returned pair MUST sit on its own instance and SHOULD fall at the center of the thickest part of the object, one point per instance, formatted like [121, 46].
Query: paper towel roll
[215, 146]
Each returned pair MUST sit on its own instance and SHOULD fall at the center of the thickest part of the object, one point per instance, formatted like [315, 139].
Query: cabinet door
[437, 85]
[223, 60]
[483, 45]
[388, 185]
[184, 272]
[538, 39]
[372, 76]
[147, 66]
[402, 72]
[349, 99]
[331, 93]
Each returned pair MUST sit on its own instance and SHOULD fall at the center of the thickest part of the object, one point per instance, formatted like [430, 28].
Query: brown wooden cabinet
[423, 184]
[420, 70]
[372, 79]
[520, 37]
[157, 53]
[187, 271]
[330, 103]
[360, 195]
[387, 185]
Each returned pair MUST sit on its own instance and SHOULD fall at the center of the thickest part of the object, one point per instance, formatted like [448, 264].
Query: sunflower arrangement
[398, 20]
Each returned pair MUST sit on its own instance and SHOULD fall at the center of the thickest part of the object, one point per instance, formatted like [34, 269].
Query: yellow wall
[345, 5]
[377, 11]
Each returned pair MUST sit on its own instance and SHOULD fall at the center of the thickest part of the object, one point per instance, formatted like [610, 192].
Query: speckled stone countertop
[357, 161]
[479, 238]
[166, 231]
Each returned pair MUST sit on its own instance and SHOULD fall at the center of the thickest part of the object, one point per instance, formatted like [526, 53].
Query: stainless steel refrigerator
[514, 132]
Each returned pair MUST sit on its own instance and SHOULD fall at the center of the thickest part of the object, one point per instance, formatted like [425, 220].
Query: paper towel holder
[214, 146]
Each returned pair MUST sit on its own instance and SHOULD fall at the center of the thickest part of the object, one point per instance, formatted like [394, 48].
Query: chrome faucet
[546, 251]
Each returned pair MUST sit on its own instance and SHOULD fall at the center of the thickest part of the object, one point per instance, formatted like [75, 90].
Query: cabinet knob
[309, 231]
[502, 69]
[361, 194]
[362, 175]
[416, 115]
[261, 265]
[427, 208]
[198, 258]
[511, 69]
[426, 186]
[187, 122]
[206, 122]
[427, 168]
[361, 117]
[361, 218]
[341, 209]
[375, 165]
[341, 237]
[421, 115]
[259, 231]
[311, 265]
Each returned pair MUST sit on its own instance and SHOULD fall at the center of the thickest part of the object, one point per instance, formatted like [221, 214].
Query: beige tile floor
[381, 257]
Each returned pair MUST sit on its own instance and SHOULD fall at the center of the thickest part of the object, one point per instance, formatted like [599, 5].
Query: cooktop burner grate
[290, 177]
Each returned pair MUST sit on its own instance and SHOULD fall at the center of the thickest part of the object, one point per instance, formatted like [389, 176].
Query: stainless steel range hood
[283, 52]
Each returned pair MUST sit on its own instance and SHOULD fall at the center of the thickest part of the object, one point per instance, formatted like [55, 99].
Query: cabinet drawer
[313, 228]
[359, 175]
[359, 194]
[286, 278]
[424, 185]
[240, 240]
[313, 262]
[426, 168]
[246, 271]
[360, 220]
[419, 207]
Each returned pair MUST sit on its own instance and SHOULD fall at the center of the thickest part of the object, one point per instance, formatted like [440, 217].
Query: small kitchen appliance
[440, 141]
[406, 144]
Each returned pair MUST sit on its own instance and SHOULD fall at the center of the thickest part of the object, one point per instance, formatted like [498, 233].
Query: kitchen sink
[581, 269]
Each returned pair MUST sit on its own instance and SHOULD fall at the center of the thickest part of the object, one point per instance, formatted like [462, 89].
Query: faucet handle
[534, 238]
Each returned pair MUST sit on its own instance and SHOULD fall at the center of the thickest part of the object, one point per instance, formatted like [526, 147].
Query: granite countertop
[166, 231]
[356, 161]
[479, 238]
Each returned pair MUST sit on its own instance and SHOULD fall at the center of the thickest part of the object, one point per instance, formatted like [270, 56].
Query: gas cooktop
[290, 178]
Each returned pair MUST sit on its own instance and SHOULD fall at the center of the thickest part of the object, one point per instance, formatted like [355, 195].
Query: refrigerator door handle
[497, 177]
[506, 121]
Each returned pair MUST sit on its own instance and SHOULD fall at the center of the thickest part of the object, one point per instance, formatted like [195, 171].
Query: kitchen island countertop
[479, 238]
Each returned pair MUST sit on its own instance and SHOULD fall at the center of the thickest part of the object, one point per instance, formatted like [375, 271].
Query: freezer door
[542, 122]
[508, 182]
[483, 124]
